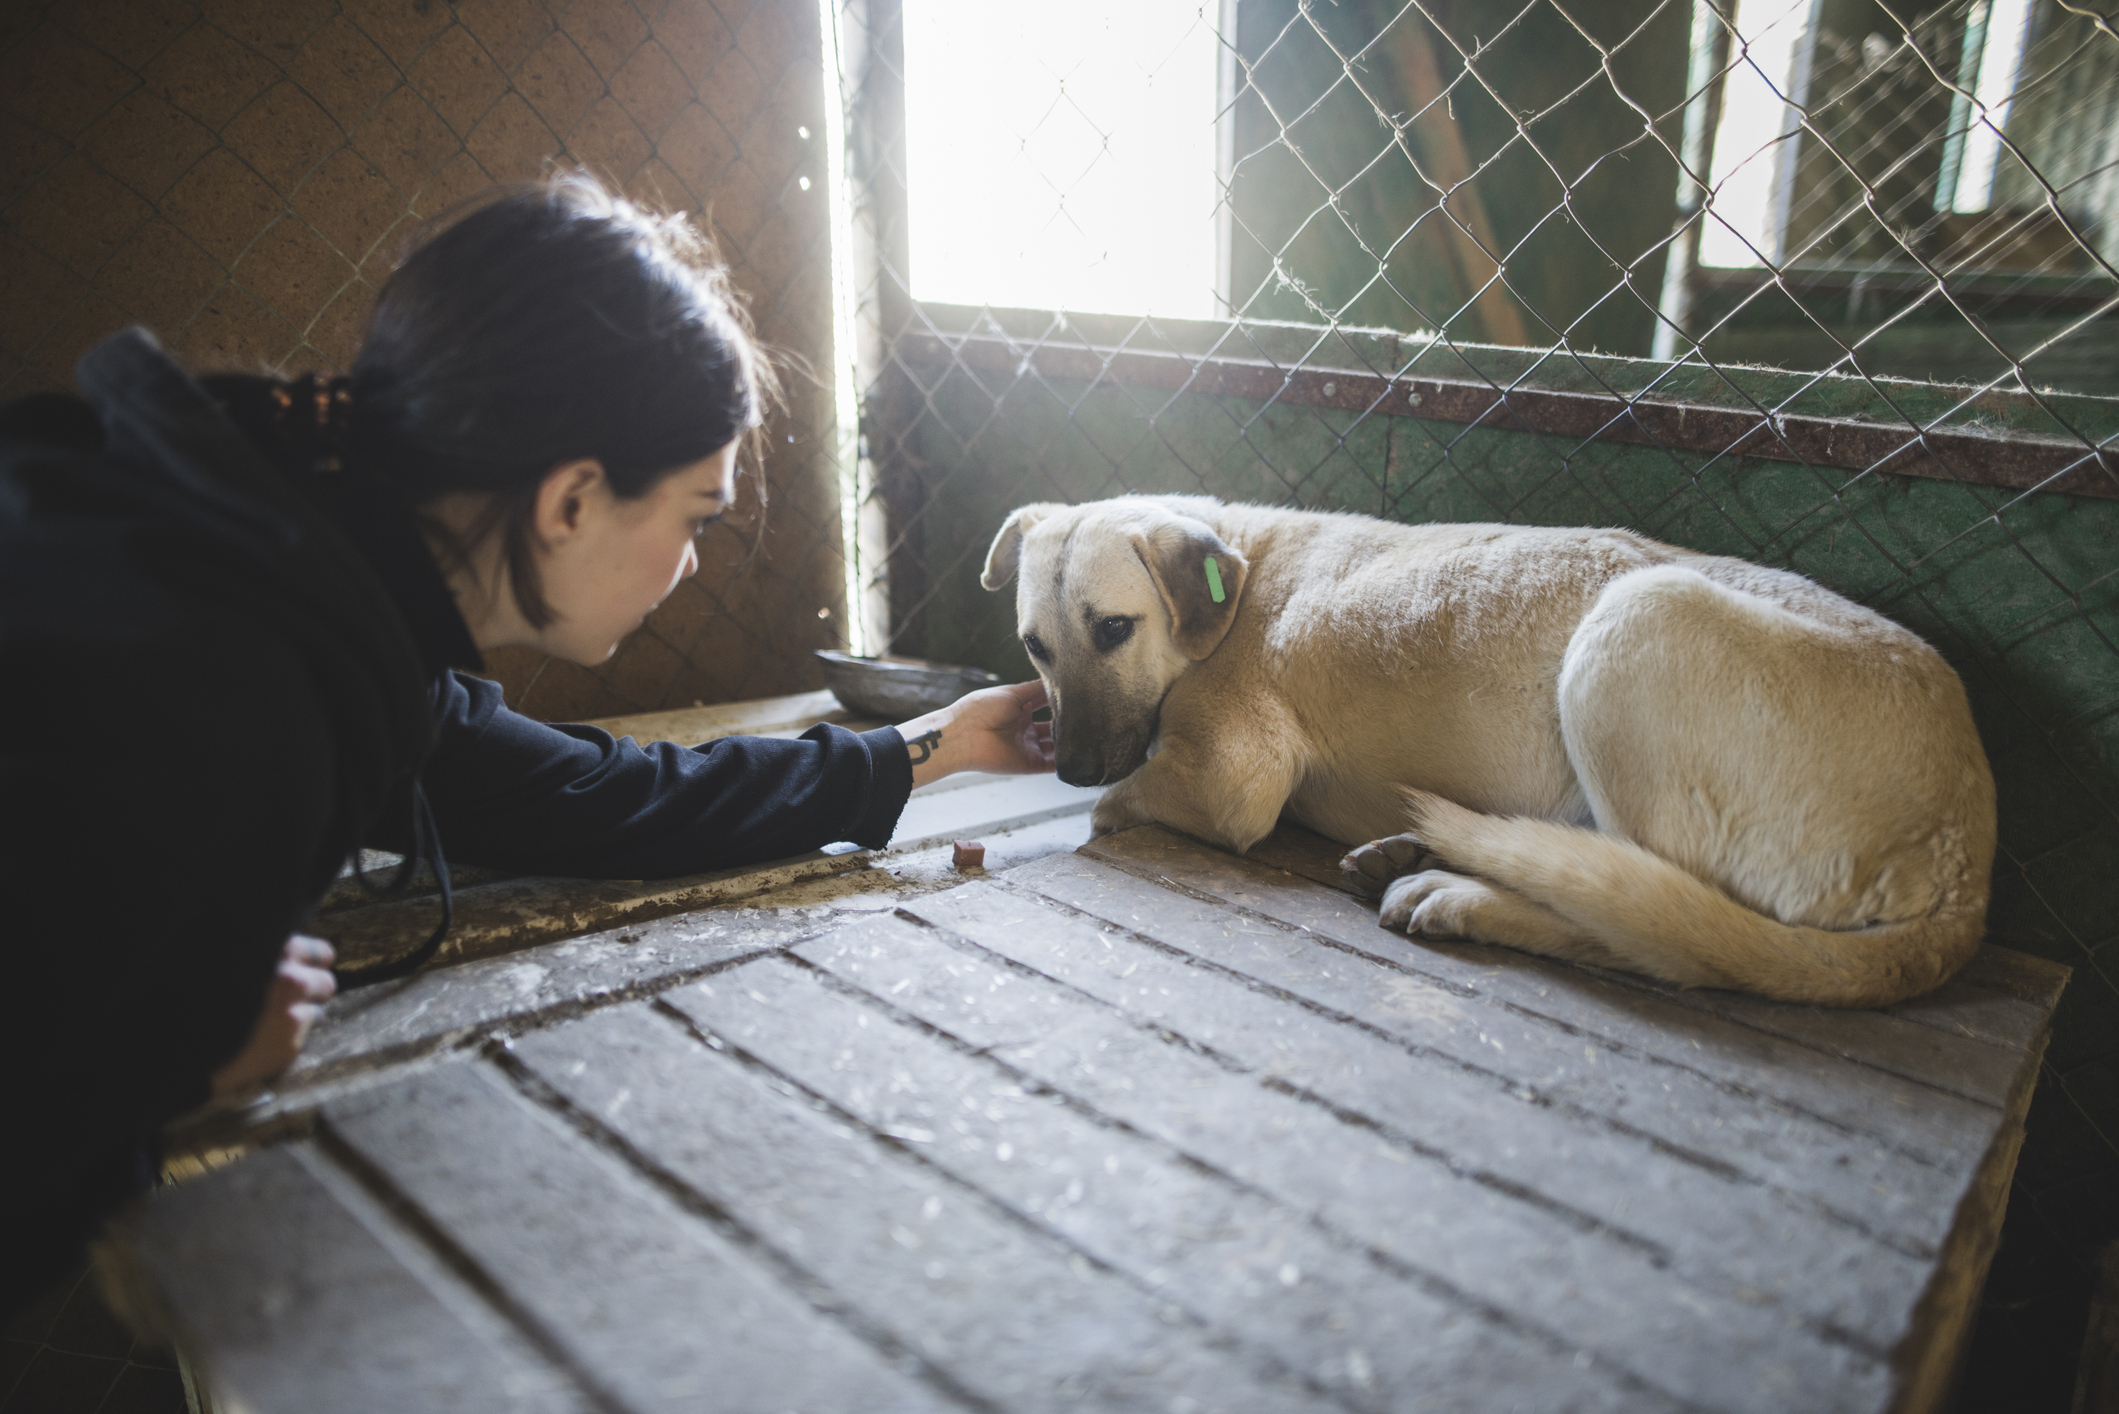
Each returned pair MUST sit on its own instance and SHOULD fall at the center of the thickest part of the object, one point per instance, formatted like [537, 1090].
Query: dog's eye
[1111, 632]
[1035, 647]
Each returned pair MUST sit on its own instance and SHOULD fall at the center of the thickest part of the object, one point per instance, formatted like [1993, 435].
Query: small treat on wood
[968, 854]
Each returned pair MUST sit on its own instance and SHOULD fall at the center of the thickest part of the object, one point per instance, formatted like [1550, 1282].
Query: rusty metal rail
[2016, 461]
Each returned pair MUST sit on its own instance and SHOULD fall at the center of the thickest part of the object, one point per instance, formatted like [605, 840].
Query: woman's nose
[691, 561]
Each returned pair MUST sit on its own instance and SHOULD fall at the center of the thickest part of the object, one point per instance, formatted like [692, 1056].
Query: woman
[231, 615]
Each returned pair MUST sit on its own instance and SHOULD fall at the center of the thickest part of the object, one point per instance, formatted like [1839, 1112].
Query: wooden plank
[1465, 232]
[1933, 1350]
[381, 867]
[1303, 852]
[295, 1304]
[1891, 1038]
[1929, 1122]
[760, 716]
[516, 913]
[1976, 1003]
[1723, 1126]
[2018, 975]
[1744, 1217]
[1004, 849]
[1963, 1007]
[365, 1031]
[989, 806]
[383, 1025]
[654, 1303]
[1956, 1060]
[1926, 1337]
[1228, 1255]
[506, 917]
[1583, 1288]
[1018, 1318]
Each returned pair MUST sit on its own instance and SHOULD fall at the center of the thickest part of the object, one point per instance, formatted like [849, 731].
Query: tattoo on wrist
[924, 745]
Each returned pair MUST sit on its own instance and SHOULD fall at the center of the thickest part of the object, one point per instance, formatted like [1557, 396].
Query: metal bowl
[897, 688]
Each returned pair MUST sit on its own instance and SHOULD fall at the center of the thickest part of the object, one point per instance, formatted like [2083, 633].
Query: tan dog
[1608, 749]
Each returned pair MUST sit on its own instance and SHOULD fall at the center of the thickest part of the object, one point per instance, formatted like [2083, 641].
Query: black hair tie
[316, 418]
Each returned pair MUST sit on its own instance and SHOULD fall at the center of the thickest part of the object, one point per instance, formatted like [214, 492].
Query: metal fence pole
[1703, 106]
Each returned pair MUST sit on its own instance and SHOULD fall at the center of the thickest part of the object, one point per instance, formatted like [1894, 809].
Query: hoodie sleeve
[515, 793]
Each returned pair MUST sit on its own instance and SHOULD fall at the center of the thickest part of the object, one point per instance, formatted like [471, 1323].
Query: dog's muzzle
[1101, 761]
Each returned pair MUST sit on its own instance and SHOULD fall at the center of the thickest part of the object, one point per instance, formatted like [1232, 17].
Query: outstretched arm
[571, 800]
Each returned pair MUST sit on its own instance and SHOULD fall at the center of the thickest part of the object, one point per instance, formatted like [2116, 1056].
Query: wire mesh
[1717, 226]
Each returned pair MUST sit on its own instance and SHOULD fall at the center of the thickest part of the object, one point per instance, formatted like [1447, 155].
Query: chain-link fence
[1826, 284]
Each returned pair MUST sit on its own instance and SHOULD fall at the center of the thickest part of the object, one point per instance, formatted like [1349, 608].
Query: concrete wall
[238, 175]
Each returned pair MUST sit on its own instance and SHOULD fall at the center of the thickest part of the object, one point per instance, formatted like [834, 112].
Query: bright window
[1998, 27]
[1061, 156]
[1755, 135]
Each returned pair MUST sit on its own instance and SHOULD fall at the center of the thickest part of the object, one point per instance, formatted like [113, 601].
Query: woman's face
[616, 559]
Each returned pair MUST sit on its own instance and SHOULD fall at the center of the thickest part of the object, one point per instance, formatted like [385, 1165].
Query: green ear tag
[1214, 580]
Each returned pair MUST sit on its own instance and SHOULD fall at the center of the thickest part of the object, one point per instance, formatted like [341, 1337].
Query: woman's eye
[1035, 647]
[1111, 632]
[700, 526]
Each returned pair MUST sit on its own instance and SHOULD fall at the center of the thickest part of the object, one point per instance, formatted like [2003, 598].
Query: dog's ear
[1007, 549]
[1200, 578]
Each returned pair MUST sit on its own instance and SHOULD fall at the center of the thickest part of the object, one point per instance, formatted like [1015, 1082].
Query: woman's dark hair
[553, 322]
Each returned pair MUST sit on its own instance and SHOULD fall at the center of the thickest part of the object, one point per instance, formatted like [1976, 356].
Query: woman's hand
[301, 984]
[989, 730]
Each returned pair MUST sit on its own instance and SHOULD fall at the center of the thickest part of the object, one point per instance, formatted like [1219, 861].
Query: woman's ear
[569, 494]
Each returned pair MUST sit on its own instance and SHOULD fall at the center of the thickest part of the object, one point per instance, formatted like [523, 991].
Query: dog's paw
[1435, 904]
[1377, 863]
[1110, 815]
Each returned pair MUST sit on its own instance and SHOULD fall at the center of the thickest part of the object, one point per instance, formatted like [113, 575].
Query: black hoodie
[220, 673]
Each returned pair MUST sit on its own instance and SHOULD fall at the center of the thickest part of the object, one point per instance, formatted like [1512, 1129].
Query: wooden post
[1447, 167]
[871, 38]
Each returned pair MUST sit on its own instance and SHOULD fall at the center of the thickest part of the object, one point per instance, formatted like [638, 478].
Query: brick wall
[238, 175]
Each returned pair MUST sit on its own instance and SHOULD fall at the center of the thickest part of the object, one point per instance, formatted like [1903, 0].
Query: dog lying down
[1581, 743]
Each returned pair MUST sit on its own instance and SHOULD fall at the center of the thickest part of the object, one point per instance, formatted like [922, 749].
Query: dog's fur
[1608, 749]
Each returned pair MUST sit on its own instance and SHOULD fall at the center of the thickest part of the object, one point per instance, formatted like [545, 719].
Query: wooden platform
[1144, 1127]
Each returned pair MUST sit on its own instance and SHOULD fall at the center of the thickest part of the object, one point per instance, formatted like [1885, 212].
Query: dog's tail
[1656, 918]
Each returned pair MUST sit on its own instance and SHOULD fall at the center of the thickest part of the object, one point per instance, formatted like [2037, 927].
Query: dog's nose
[1074, 773]
[1079, 767]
